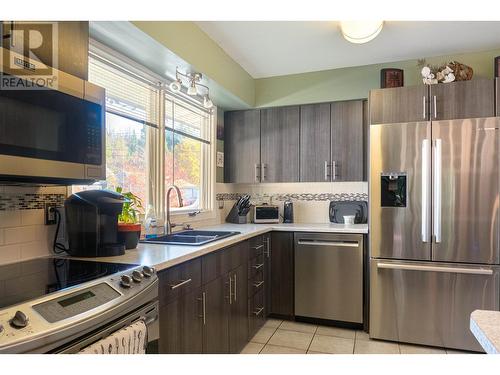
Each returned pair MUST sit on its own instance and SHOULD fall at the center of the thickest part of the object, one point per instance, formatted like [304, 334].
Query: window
[146, 128]
[187, 152]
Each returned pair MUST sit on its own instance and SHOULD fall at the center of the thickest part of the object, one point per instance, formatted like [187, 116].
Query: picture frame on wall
[391, 77]
[497, 66]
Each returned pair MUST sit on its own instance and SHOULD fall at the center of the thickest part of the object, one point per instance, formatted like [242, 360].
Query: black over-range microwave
[52, 135]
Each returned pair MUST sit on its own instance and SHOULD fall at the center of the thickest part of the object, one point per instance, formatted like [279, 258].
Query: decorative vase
[129, 234]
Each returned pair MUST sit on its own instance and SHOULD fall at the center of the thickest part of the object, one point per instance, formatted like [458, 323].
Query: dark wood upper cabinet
[463, 99]
[72, 45]
[497, 95]
[347, 137]
[280, 144]
[242, 146]
[181, 325]
[400, 104]
[282, 274]
[315, 142]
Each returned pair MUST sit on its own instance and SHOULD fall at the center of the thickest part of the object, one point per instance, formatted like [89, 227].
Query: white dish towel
[129, 340]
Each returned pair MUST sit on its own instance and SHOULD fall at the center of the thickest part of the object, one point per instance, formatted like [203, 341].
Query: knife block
[234, 217]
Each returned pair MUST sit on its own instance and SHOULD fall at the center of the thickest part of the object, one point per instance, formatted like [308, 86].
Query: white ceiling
[273, 48]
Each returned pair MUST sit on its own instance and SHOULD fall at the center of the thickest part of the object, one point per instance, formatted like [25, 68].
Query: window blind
[187, 120]
[126, 94]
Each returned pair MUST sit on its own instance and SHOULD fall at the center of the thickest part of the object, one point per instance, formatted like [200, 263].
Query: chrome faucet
[168, 225]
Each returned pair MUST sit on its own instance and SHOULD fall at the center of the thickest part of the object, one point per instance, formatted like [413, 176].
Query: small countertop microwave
[52, 135]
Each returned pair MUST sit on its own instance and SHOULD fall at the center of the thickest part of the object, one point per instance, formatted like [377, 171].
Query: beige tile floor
[285, 337]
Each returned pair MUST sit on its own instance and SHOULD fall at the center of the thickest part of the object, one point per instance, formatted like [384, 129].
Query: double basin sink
[191, 237]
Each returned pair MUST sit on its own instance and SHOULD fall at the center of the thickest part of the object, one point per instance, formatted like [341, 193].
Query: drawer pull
[257, 266]
[258, 284]
[258, 311]
[204, 307]
[258, 247]
[183, 282]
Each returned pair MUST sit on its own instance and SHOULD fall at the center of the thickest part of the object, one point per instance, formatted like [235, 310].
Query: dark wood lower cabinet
[238, 319]
[181, 325]
[282, 279]
[216, 321]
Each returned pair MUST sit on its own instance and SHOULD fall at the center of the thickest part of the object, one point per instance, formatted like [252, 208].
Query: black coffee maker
[92, 223]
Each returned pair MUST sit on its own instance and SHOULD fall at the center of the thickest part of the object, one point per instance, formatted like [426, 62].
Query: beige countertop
[165, 256]
[485, 326]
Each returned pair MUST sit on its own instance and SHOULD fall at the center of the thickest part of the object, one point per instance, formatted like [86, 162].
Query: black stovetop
[35, 278]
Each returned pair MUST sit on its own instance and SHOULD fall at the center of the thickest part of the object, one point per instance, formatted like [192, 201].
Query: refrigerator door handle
[425, 190]
[437, 190]
[412, 267]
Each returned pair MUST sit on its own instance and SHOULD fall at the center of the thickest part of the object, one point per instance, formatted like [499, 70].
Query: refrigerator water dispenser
[393, 189]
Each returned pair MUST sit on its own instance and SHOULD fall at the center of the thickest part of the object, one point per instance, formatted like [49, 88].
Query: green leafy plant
[131, 208]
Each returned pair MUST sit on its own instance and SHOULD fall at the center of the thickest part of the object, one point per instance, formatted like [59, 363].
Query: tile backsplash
[23, 233]
[310, 200]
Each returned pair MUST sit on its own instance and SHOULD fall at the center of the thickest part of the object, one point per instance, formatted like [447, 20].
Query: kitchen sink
[191, 237]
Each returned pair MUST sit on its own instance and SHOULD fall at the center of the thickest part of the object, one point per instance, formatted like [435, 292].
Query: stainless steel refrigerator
[434, 229]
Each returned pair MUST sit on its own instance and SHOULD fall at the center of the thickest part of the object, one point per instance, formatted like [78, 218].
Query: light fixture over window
[360, 31]
[193, 81]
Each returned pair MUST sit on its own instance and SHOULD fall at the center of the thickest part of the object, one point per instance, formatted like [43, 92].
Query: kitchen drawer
[221, 262]
[256, 313]
[179, 280]
[256, 246]
[256, 283]
[255, 265]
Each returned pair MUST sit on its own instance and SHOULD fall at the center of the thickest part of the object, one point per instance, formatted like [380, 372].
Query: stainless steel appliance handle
[424, 114]
[334, 170]
[257, 174]
[425, 190]
[327, 171]
[437, 190]
[183, 282]
[329, 243]
[434, 98]
[411, 267]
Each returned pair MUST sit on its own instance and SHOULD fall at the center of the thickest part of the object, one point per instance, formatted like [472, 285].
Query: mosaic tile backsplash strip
[316, 197]
[29, 201]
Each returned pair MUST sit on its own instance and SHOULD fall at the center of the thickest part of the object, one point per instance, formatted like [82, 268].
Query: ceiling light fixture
[360, 31]
[193, 81]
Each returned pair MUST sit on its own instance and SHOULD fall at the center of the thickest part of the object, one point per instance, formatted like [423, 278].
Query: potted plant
[129, 227]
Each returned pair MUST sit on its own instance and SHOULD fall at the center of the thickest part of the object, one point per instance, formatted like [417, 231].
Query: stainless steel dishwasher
[329, 276]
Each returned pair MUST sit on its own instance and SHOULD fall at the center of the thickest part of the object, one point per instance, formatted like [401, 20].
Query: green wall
[355, 82]
[190, 43]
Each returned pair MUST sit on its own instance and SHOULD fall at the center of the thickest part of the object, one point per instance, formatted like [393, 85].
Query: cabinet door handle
[434, 98]
[258, 311]
[203, 307]
[257, 266]
[267, 251]
[234, 287]
[334, 170]
[424, 113]
[257, 174]
[230, 290]
[327, 170]
[183, 282]
[258, 284]
[258, 247]
[263, 171]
